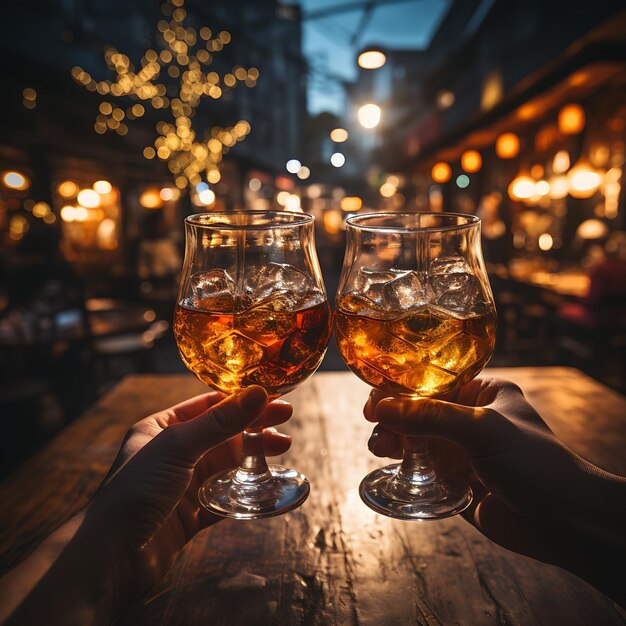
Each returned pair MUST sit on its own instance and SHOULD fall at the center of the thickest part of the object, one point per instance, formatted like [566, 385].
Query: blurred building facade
[55, 77]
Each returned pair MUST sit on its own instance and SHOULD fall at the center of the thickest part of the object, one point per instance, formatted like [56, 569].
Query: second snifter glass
[252, 310]
[414, 317]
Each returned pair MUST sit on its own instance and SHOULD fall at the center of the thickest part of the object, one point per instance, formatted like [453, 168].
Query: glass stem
[253, 468]
[416, 467]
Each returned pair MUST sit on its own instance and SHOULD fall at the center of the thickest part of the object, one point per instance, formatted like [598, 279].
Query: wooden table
[333, 561]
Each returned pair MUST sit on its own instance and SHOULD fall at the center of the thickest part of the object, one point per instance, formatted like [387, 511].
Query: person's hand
[147, 508]
[532, 494]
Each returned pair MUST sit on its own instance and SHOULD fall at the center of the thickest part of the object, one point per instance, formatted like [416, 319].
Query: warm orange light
[387, 190]
[471, 161]
[103, 187]
[583, 180]
[41, 209]
[371, 59]
[151, 199]
[507, 146]
[351, 203]
[559, 187]
[89, 198]
[441, 172]
[333, 221]
[571, 119]
[67, 189]
[167, 194]
[339, 135]
[522, 187]
[68, 213]
[15, 180]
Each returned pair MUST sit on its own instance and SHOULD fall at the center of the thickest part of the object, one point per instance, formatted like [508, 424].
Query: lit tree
[183, 55]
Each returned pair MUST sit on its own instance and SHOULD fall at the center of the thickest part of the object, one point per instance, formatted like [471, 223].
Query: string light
[183, 54]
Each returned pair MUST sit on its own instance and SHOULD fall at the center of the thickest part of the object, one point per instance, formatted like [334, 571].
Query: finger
[473, 428]
[277, 412]
[275, 442]
[384, 443]
[369, 409]
[189, 441]
[192, 407]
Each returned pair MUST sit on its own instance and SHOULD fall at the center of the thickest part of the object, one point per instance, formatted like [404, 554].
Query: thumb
[191, 440]
[475, 429]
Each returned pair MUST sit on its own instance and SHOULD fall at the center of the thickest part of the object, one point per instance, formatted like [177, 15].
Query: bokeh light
[369, 115]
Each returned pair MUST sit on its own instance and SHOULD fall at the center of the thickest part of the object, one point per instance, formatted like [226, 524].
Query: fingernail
[252, 398]
[372, 441]
[388, 411]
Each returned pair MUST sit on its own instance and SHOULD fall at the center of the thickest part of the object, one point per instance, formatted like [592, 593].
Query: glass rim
[353, 222]
[295, 219]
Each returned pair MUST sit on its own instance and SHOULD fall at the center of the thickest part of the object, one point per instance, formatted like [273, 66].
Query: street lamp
[371, 59]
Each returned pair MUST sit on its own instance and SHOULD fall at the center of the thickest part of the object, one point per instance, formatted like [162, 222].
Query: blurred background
[119, 118]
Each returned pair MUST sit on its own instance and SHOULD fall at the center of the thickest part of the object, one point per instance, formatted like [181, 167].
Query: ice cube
[455, 264]
[424, 326]
[235, 353]
[269, 319]
[454, 354]
[405, 292]
[360, 305]
[371, 281]
[279, 277]
[213, 288]
[466, 300]
[455, 286]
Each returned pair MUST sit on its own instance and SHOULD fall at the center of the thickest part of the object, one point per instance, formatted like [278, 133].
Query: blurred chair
[592, 331]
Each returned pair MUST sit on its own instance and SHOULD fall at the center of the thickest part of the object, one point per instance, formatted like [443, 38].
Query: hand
[532, 494]
[147, 507]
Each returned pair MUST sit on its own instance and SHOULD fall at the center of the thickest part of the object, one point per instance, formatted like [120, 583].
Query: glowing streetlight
[293, 165]
[369, 115]
[339, 135]
[371, 59]
[337, 159]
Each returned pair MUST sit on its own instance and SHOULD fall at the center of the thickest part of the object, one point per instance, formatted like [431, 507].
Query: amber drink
[252, 310]
[266, 344]
[423, 352]
[414, 317]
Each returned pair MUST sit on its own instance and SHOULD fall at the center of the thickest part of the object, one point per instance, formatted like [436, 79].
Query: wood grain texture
[333, 561]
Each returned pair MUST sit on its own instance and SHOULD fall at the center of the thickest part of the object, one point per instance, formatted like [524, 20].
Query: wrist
[596, 547]
[78, 585]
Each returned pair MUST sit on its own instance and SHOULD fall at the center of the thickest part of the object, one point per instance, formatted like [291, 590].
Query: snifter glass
[252, 310]
[414, 317]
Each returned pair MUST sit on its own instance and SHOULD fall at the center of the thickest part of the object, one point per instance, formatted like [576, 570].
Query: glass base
[224, 494]
[434, 497]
